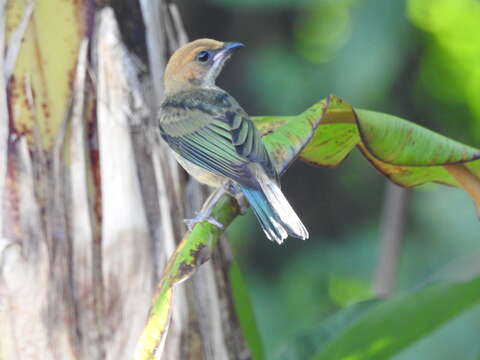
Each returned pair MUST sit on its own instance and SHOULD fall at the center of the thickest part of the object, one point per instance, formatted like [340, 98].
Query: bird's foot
[201, 217]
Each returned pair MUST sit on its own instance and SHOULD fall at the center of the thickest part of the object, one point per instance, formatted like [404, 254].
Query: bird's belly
[200, 174]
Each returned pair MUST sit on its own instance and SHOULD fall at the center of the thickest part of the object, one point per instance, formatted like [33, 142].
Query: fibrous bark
[92, 207]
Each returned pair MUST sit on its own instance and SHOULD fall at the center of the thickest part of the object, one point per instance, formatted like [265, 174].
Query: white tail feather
[281, 231]
[287, 216]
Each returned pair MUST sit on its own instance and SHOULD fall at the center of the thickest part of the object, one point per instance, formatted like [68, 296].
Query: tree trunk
[92, 208]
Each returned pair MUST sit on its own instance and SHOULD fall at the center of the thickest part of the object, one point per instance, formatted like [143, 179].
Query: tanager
[214, 139]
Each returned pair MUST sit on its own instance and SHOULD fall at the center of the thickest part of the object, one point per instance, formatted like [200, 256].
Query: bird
[215, 140]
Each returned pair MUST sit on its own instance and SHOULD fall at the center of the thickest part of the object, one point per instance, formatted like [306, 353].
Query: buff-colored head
[197, 64]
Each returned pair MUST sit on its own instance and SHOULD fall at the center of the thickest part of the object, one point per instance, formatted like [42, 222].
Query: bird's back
[210, 129]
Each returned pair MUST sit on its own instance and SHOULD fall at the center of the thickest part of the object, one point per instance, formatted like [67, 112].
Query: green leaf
[389, 327]
[406, 153]
[378, 329]
[400, 142]
[244, 310]
[322, 135]
[305, 344]
[335, 136]
[286, 137]
[345, 291]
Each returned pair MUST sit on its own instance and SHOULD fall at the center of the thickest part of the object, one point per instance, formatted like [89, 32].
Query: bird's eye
[203, 56]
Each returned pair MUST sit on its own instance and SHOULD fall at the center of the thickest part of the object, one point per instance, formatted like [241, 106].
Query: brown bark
[91, 207]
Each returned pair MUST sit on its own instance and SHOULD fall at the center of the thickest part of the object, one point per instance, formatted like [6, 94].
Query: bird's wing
[216, 134]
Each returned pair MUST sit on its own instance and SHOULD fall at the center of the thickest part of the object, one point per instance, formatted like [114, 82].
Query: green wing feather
[210, 129]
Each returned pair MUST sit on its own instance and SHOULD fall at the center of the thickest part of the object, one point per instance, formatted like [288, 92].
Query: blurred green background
[418, 59]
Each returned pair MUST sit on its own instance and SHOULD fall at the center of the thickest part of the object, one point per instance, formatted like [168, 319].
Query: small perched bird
[214, 139]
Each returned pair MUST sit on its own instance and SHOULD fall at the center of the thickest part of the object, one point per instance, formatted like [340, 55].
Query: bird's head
[197, 64]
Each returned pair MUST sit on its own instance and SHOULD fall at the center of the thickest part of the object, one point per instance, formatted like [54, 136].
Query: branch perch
[194, 249]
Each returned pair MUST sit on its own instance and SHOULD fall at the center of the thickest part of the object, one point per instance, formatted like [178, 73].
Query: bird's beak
[226, 50]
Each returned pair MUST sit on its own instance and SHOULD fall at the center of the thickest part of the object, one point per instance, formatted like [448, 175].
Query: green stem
[194, 249]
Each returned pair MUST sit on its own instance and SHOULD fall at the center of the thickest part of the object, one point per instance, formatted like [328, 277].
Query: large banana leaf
[324, 135]
[406, 153]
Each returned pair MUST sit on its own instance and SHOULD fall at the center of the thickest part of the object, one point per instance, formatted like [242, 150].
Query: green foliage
[387, 328]
[400, 142]
[354, 49]
[296, 302]
[406, 153]
[391, 144]
[322, 29]
[380, 329]
[245, 313]
[345, 291]
[383, 55]
[379, 54]
[307, 343]
[453, 53]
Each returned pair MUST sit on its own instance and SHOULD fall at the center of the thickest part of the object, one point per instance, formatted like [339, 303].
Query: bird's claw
[201, 218]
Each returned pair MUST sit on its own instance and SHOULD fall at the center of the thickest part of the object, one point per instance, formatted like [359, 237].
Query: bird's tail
[275, 214]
